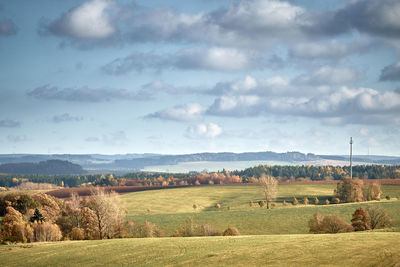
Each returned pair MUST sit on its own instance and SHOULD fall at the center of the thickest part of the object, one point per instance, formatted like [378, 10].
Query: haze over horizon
[180, 77]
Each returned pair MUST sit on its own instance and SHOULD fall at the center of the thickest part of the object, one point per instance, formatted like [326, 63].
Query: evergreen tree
[37, 216]
[361, 220]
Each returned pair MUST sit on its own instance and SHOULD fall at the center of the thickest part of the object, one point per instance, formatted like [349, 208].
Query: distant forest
[283, 173]
[44, 167]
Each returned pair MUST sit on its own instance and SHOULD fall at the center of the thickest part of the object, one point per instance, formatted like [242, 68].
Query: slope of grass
[170, 208]
[352, 249]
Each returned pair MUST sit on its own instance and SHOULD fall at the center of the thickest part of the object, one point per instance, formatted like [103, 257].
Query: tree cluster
[354, 190]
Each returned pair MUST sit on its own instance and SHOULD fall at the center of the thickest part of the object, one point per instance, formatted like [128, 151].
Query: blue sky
[110, 76]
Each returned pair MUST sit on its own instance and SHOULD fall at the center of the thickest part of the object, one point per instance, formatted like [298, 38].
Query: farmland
[268, 237]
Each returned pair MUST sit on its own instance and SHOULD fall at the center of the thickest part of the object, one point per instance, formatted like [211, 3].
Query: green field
[170, 208]
[276, 237]
[352, 249]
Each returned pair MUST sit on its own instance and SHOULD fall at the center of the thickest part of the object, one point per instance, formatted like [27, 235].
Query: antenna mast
[351, 157]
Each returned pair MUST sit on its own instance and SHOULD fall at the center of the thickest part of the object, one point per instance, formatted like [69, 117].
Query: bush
[304, 201]
[217, 206]
[336, 200]
[195, 206]
[372, 192]
[77, 234]
[146, 229]
[327, 202]
[350, 190]
[361, 220]
[284, 203]
[328, 224]
[398, 197]
[231, 231]
[261, 203]
[190, 228]
[273, 204]
[251, 204]
[315, 200]
[388, 197]
[295, 201]
[379, 218]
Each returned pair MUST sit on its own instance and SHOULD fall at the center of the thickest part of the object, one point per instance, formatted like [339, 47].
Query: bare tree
[270, 188]
[108, 212]
[379, 218]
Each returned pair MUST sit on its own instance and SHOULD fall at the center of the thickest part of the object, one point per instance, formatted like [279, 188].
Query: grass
[352, 249]
[170, 208]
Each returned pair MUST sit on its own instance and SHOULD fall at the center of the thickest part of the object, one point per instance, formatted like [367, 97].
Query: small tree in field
[270, 188]
[305, 201]
[379, 218]
[316, 200]
[328, 224]
[350, 190]
[361, 220]
[295, 201]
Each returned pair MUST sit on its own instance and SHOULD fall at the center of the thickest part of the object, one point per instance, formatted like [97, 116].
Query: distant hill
[97, 163]
[44, 168]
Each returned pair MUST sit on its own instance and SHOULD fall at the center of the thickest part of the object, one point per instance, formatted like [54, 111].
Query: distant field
[170, 208]
[351, 249]
[184, 167]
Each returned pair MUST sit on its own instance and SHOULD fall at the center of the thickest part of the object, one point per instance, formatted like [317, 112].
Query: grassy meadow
[351, 249]
[276, 237]
[168, 209]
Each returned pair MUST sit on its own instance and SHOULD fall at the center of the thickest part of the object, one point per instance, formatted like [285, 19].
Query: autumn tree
[361, 220]
[328, 224]
[379, 218]
[15, 228]
[106, 213]
[270, 188]
[350, 190]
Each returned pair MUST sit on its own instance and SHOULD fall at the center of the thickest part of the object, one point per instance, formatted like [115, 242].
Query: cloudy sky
[119, 76]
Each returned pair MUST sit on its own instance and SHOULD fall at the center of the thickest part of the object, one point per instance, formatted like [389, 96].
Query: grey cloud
[66, 117]
[9, 123]
[92, 139]
[7, 27]
[194, 58]
[85, 94]
[391, 73]
[361, 106]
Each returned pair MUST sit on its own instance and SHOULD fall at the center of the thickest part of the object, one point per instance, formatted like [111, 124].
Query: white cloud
[210, 130]
[87, 21]
[115, 139]
[327, 75]
[187, 112]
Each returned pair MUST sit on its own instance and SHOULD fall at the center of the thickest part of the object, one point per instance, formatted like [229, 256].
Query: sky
[177, 77]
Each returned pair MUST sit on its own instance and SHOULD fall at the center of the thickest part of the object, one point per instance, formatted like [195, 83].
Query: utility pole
[351, 157]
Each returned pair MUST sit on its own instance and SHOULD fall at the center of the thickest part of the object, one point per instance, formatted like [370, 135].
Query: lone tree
[270, 188]
[350, 190]
[379, 218]
[361, 220]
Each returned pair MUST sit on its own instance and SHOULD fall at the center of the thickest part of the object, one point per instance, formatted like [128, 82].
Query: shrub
[379, 218]
[361, 220]
[284, 203]
[327, 202]
[77, 234]
[350, 190]
[387, 197]
[315, 200]
[328, 224]
[231, 231]
[295, 201]
[336, 200]
[305, 201]
[372, 192]
[273, 204]
[146, 229]
[190, 228]
[251, 204]
[398, 197]
[261, 203]
[217, 206]
[195, 206]
[228, 208]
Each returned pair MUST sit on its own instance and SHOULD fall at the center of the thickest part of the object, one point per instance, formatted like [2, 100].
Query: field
[276, 237]
[170, 208]
[353, 249]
